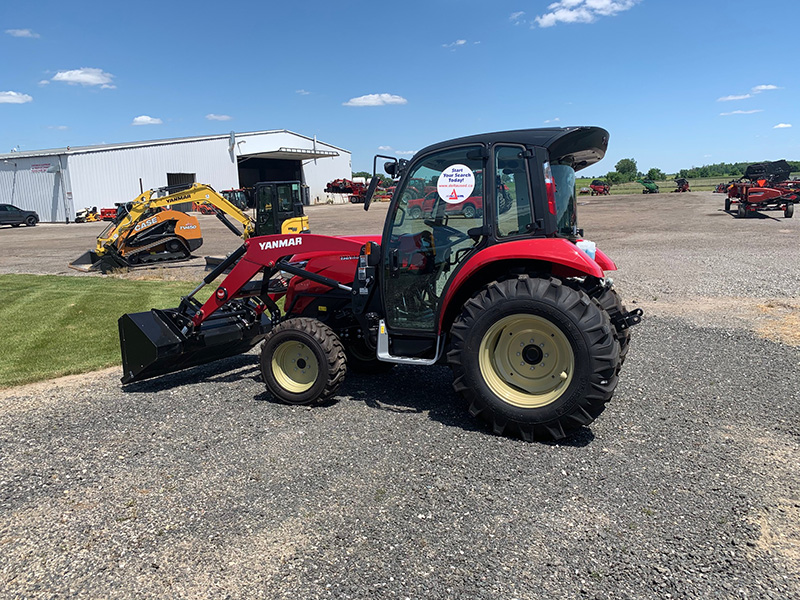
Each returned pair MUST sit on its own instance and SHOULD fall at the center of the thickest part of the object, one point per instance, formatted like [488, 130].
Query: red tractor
[764, 187]
[681, 185]
[600, 188]
[515, 301]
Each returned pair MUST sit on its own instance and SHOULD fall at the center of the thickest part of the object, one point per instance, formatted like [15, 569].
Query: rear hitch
[628, 319]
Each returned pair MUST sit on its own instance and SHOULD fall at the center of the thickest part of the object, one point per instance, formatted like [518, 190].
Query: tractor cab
[279, 207]
[524, 183]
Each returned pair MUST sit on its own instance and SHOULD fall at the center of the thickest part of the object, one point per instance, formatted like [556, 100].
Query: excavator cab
[279, 207]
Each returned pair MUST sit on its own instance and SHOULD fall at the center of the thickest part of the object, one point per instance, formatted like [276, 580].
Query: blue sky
[677, 83]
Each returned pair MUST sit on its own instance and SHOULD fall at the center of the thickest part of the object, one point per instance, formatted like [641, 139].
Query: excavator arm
[115, 247]
[145, 202]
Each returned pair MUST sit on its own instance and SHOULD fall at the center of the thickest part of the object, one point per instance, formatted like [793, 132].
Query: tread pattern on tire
[591, 320]
[332, 346]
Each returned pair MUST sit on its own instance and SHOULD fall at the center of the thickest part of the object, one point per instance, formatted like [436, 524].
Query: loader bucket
[91, 262]
[152, 344]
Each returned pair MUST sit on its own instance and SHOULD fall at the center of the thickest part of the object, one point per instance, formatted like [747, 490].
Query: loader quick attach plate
[153, 345]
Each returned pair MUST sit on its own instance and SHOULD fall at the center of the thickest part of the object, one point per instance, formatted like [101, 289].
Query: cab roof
[577, 146]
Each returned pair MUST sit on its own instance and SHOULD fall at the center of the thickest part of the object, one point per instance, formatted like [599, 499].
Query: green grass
[55, 325]
[697, 184]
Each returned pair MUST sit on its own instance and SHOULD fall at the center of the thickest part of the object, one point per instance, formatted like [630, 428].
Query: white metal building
[56, 183]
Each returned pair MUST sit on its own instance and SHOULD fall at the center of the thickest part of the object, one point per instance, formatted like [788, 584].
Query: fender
[567, 260]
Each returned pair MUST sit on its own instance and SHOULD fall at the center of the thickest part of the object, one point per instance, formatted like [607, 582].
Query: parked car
[11, 215]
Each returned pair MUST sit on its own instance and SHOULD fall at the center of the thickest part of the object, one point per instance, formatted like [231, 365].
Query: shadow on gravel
[752, 215]
[227, 370]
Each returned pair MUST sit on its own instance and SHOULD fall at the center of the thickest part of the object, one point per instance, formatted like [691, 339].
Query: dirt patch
[774, 319]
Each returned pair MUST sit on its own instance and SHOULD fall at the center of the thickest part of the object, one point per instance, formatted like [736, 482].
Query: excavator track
[142, 258]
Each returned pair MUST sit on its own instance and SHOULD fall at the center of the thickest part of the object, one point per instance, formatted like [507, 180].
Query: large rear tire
[534, 357]
[302, 361]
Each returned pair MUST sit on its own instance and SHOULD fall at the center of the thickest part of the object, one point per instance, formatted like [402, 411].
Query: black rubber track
[581, 319]
[328, 350]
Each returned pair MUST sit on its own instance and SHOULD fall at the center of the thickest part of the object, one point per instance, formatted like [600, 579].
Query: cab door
[423, 248]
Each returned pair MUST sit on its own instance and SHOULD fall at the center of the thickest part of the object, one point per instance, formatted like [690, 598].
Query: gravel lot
[200, 485]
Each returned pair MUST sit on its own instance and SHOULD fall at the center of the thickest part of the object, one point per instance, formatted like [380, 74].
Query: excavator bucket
[153, 344]
[91, 262]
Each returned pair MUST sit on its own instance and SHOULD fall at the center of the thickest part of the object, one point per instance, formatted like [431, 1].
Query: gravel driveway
[199, 485]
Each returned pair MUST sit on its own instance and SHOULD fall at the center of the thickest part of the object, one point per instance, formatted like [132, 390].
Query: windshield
[566, 214]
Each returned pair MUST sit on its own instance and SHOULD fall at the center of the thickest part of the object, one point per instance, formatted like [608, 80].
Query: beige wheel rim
[294, 367]
[526, 360]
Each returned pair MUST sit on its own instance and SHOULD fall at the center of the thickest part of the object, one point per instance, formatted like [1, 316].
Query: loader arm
[198, 192]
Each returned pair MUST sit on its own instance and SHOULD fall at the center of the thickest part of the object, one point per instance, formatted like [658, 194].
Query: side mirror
[373, 185]
[390, 168]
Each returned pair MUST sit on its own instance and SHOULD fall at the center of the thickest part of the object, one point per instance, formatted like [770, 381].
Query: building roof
[146, 143]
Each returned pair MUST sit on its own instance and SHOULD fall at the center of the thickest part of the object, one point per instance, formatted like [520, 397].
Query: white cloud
[376, 100]
[213, 117]
[14, 98]
[405, 152]
[734, 97]
[741, 112]
[556, 120]
[86, 76]
[782, 126]
[145, 120]
[44, 82]
[303, 92]
[58, 127]
[753, 91]
[454, 44]
[384, 148]
[582, 11]
[25, 33]
[516, 17]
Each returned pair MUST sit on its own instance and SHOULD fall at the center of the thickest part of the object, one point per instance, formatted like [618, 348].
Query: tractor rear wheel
[788, 211]
[534, 357]
[302, 361]
[610, 302]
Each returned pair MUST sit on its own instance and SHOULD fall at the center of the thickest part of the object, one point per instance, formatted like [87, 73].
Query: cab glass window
[512, 196]
[429, 234]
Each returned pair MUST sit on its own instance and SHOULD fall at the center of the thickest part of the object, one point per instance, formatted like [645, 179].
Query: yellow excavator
[147, 230]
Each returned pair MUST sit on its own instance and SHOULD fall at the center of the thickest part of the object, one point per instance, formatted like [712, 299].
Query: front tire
[727, 204]
[741, 211]
[302, 361]
[469, 211]
[788, 212]
[30, 221]
[534, 357]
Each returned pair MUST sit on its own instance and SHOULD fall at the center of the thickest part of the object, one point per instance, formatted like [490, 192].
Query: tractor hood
[579, 147]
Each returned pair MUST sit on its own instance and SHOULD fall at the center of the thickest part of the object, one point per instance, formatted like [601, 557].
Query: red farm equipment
[355, 190]
[514, 300]
[764, 187]
[681, 185]
[600, 188]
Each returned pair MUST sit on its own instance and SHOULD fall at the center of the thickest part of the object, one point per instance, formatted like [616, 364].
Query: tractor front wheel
[534, 357]
[741, 211]
[727, 204]
[302, 361]
[788, 212]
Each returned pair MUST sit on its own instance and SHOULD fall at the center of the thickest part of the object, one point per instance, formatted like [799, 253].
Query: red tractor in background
[600, 188]
[764, 187]
[354, 189]
[514, 300]
[682, 185]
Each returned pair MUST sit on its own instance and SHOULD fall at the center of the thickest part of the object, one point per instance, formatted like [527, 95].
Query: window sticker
[456, 184]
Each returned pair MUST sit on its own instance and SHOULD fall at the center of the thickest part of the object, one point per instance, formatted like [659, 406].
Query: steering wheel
[452, 235]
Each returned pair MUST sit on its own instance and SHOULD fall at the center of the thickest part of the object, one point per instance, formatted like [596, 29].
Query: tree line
[626, 170]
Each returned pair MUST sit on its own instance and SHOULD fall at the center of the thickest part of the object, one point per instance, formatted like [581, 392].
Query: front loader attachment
[92, 262]
[154, 344]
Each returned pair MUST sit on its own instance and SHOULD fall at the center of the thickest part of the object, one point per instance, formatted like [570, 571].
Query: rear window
[566, 210]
